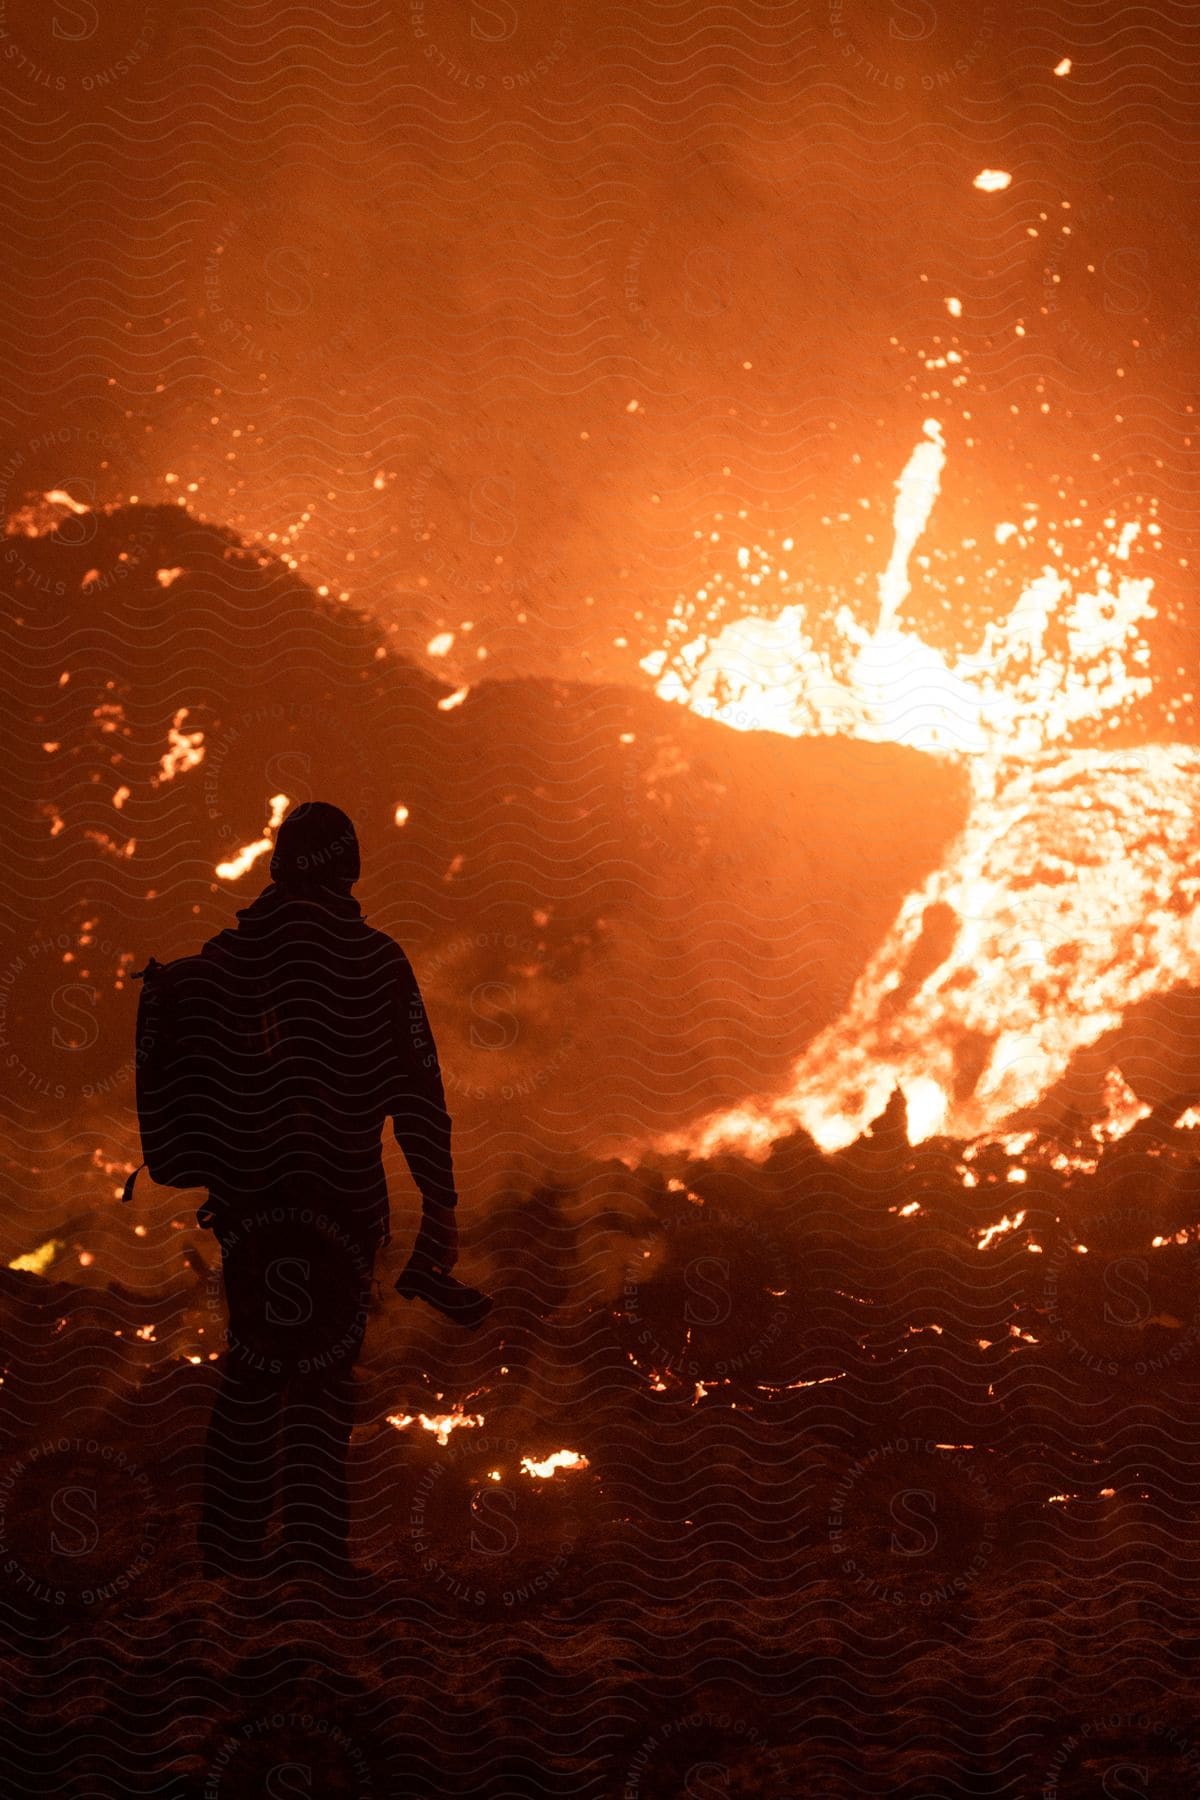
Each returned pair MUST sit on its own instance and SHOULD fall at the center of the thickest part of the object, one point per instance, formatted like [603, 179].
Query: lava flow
[1067, 897]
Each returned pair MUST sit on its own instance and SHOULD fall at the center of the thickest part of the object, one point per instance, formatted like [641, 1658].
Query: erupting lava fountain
[1068, 896]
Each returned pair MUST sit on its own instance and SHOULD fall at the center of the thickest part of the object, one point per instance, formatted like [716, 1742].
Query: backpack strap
[151, 968]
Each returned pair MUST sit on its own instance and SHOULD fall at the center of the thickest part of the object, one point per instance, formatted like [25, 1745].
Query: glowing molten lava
[234, 867]
[1067, 897]
[1065, 655]
[548, 1465]
[441, 1424]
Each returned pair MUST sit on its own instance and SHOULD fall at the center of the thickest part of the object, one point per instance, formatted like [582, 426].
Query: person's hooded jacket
[325, 1037]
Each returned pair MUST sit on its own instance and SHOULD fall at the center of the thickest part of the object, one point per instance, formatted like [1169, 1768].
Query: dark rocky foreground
[873, 1504]
[868, 1508]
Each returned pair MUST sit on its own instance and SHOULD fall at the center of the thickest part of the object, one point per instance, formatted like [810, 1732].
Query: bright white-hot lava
[1068, 896]
[1069, 651]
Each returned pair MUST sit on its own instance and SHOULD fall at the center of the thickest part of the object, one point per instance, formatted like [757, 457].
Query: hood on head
[317, 847]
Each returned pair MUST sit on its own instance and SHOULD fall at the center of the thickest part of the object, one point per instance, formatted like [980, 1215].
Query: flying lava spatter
[1066, 898]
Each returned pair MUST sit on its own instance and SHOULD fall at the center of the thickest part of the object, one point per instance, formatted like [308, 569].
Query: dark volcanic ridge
[621, 914]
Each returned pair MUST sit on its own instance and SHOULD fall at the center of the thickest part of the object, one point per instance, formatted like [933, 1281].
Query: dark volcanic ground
[875, 1503]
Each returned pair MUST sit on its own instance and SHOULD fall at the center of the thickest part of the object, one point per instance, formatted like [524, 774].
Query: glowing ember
[1000, 1229]
[1122, 1111]
[36, 1262]
[60, 497]
[440, 1423]
[249, 854]
[916, 491]
[185, 749]
[558, 1459]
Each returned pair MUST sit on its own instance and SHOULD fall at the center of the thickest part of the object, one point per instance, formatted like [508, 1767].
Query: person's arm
[422, 1124]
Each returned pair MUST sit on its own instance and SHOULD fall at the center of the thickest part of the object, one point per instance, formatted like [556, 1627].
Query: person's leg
[315, 1516]
[241, 1448]
[318, 1418]
[240, 1472]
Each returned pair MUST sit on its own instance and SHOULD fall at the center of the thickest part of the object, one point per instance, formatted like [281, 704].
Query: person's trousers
[297, 1287]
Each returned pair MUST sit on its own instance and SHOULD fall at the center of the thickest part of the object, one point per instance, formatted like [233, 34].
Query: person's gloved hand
[437, 1240]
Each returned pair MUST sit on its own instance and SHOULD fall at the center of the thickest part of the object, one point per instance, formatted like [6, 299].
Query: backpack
[181, 1074]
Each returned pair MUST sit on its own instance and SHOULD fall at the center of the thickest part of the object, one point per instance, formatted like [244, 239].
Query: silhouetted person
[323, 1034]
